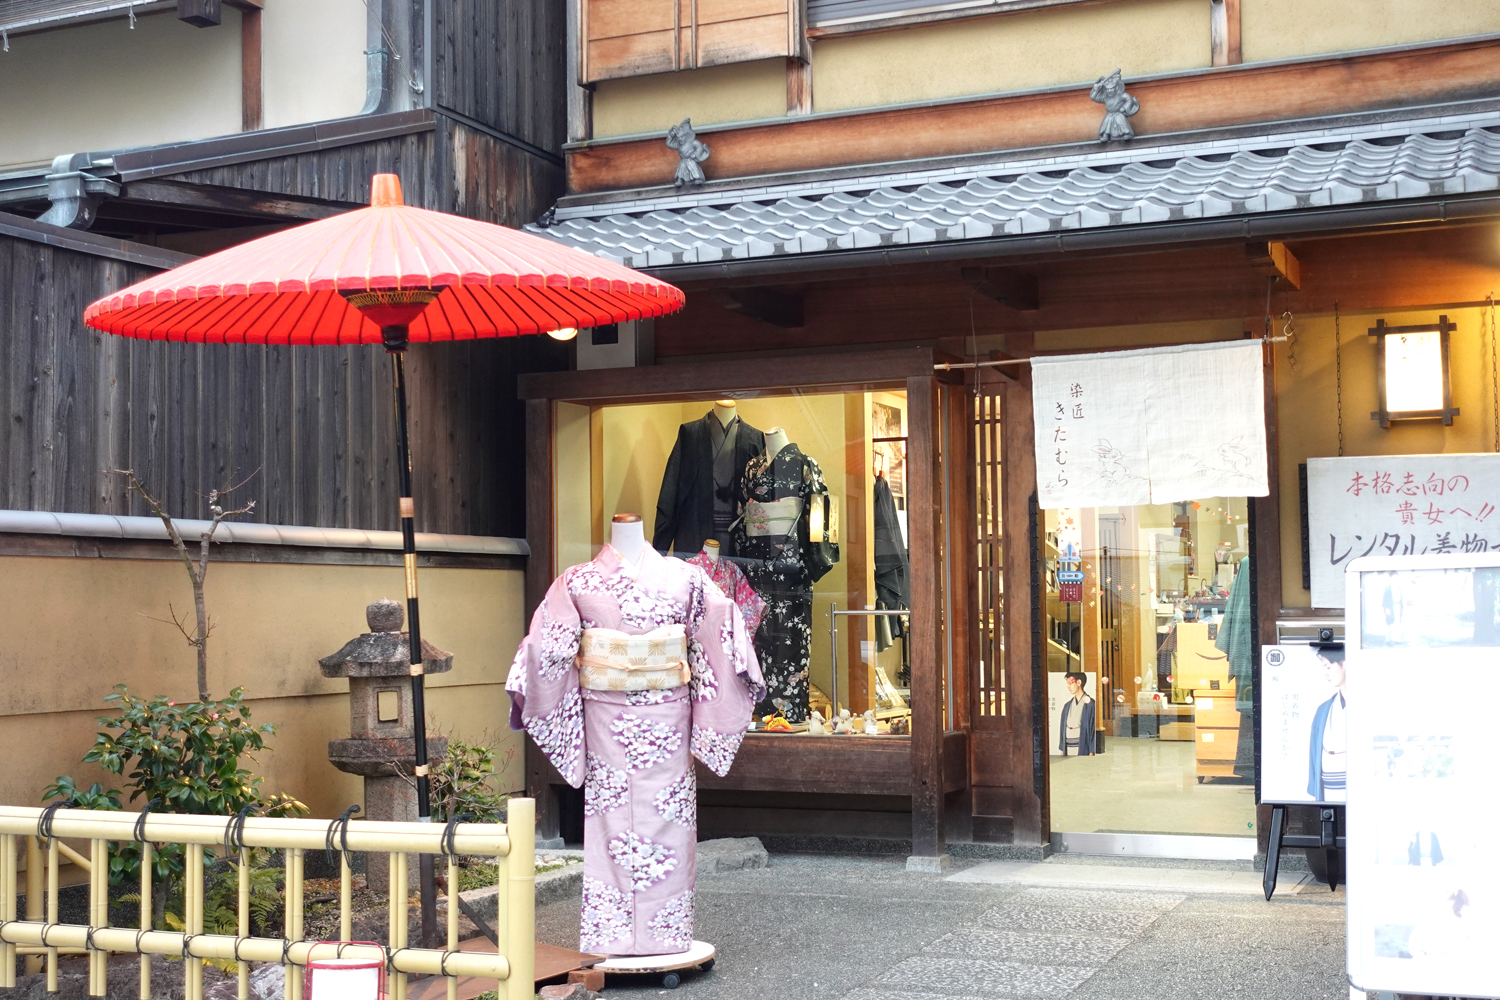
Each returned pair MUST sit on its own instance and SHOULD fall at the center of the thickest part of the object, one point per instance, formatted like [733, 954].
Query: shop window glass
[795, 504]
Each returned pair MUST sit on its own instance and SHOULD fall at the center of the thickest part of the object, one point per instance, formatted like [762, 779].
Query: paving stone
[1099, 899]
[1112, 923]
[729, 854]
[985, 978]
[1021, 946]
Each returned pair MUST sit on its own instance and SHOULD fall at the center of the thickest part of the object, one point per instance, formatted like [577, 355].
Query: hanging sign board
[1397, 505]
[1302, 725]
[1423, 638]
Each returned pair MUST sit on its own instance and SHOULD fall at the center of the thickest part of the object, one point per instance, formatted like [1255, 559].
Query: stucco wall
[738, 93]
[1284, 29]
[78, 626]
[313, 62]
[1307, 410]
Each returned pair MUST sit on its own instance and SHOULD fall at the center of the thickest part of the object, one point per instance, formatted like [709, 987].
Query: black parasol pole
[395, 339]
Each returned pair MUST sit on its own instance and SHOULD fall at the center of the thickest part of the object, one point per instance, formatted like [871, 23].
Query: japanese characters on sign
[1397, 506]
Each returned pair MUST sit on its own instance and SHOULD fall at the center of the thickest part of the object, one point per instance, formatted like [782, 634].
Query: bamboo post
[98, 913]
[242, 923]
[346, 898]
[146, 914]
[452, 920]
[35, 893]
[192, 905]
[8, 875]
[293, 918]
[52, 887]
[400, 899]
[520, 869]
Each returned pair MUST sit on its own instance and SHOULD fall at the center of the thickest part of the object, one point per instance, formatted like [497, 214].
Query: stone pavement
[863, 928]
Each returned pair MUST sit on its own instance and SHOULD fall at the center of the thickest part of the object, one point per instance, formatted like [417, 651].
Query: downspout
[377, 60]
[397, 55]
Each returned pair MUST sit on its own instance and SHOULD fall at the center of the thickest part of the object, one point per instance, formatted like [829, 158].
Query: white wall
[313, 62]
[105, 86]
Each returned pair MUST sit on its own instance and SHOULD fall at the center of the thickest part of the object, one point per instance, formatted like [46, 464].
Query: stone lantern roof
[385, 650]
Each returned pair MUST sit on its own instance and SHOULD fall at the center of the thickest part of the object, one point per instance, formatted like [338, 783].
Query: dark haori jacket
[685, 506]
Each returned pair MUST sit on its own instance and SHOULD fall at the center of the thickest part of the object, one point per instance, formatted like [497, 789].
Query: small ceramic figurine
[815, 725]
[691, 151]
[1118, 106]
[900, 726]
[842, 725]
[871, 729]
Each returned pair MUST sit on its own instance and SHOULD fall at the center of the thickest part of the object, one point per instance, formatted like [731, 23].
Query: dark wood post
[928, 835]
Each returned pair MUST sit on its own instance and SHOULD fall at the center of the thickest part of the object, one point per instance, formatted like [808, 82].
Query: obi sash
[772, 518]
[611, 660]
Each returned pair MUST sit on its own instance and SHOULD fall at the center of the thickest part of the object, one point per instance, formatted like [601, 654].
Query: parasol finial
[385, 191]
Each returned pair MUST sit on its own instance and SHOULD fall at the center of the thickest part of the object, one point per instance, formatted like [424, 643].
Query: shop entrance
[1147, 633]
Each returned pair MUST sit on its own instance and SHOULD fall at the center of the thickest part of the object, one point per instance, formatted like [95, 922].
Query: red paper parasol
[388, 274]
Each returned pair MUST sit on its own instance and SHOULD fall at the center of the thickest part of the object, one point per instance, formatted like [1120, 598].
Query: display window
[1149, 660]
[795, 505]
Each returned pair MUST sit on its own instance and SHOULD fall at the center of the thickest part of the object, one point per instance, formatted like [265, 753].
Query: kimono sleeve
[726, 679]
[543, 683]
[752, 606]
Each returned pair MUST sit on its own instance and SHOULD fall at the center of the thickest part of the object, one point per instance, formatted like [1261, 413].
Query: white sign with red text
[1397, 505]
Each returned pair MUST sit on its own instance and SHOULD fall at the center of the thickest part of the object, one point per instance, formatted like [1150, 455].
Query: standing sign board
[1397, 505]
[1423, 639]
[1302, 726]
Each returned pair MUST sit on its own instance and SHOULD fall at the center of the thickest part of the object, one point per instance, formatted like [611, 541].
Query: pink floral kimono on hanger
[628, 673]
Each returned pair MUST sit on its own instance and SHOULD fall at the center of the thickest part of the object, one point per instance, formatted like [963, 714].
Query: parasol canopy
[294, 287]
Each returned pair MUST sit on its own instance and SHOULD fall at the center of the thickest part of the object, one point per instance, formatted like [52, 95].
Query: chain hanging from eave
[1494, 377]
[1289, 334]
[1338, 376]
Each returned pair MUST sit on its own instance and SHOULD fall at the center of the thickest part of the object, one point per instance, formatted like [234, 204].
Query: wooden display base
[699, 956]
[552, 962]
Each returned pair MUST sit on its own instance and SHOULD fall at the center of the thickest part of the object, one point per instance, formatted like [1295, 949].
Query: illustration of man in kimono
[1078, 737]
[629, 671]
[1328, 746]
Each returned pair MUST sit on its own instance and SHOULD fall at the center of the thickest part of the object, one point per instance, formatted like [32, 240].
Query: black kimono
[691, 501]
[782, 564]
[891, 566]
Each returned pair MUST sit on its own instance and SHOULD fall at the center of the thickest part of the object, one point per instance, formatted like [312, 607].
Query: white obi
[611, 660]
[773, 518]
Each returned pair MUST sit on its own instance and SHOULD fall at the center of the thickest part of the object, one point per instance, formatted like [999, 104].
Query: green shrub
[464, 783]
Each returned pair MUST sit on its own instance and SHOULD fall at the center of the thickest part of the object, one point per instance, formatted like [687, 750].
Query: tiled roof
[1268, 173]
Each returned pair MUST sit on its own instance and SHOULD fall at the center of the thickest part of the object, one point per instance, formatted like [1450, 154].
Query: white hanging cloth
[1150, 426]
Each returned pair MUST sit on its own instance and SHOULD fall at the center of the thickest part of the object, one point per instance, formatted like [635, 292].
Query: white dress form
[725, 411]
[711, 549]
[776, 439]
[627, 536]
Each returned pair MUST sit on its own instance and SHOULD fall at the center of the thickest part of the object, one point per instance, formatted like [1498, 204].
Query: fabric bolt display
[699, 496]
[782, 564]
[1153, 426]
[892, 568]
[1235, 640]
[630, 741]
[730, 579]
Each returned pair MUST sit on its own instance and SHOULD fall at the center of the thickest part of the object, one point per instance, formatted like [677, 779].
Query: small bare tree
[198, 638]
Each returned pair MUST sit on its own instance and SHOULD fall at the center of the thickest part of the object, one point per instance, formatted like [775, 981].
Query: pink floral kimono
[671, 675]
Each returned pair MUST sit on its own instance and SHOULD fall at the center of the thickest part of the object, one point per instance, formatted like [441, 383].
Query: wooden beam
[927, 820]
[201, 13]
[766, 305]
[1274, 260]
[1236, 95]
[229, 201]
[798, 86]
[1009, 288]
[252, 101]
[1224, 32]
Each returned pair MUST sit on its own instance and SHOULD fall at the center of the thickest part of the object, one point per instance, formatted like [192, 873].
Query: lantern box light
[345, 979]
[1412, 367]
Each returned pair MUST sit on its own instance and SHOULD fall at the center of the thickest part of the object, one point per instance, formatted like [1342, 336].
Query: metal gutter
[1260, 226]
[84, 242]
[32, 522]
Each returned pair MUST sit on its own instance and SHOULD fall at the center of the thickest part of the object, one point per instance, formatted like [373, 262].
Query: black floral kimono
[782, 564]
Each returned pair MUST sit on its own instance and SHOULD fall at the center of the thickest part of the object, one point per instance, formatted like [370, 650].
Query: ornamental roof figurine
[691, 151]
[385, 650]
[1118, 106]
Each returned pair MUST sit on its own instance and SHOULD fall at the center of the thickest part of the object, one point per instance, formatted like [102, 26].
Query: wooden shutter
[623, 38]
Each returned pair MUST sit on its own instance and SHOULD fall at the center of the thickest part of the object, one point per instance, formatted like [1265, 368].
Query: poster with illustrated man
[1304, 724]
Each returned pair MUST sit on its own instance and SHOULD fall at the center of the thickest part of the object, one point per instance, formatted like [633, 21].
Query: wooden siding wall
[316, 422]
[503, 63]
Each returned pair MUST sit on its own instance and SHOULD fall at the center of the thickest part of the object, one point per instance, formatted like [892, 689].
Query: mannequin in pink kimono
[634, 665]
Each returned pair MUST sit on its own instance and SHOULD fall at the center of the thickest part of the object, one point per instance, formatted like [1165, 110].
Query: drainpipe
[395, 58]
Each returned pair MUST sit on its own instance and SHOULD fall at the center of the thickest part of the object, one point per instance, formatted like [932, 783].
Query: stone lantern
[380, 747]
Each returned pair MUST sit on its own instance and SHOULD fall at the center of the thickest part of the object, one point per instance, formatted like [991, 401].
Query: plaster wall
[313, 62]
[994, 55]
[1307, 408]
[103, 86]
[736, 93]
[79, 626]
[1285, 29]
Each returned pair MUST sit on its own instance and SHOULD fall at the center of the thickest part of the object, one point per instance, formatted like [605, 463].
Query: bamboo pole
[52, 887]
[520, 870]
[83, 863]
[192, 904]
[424, 961]
[346, 898]
[98, 914]
[403, 924]
[452, 919]
[416, 838]
[35, 893]
[293, 917]
[242, 923]
[8, 886]
[146, 915]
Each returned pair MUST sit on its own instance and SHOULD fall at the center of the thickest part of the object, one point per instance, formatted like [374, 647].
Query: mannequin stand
[700, 956]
